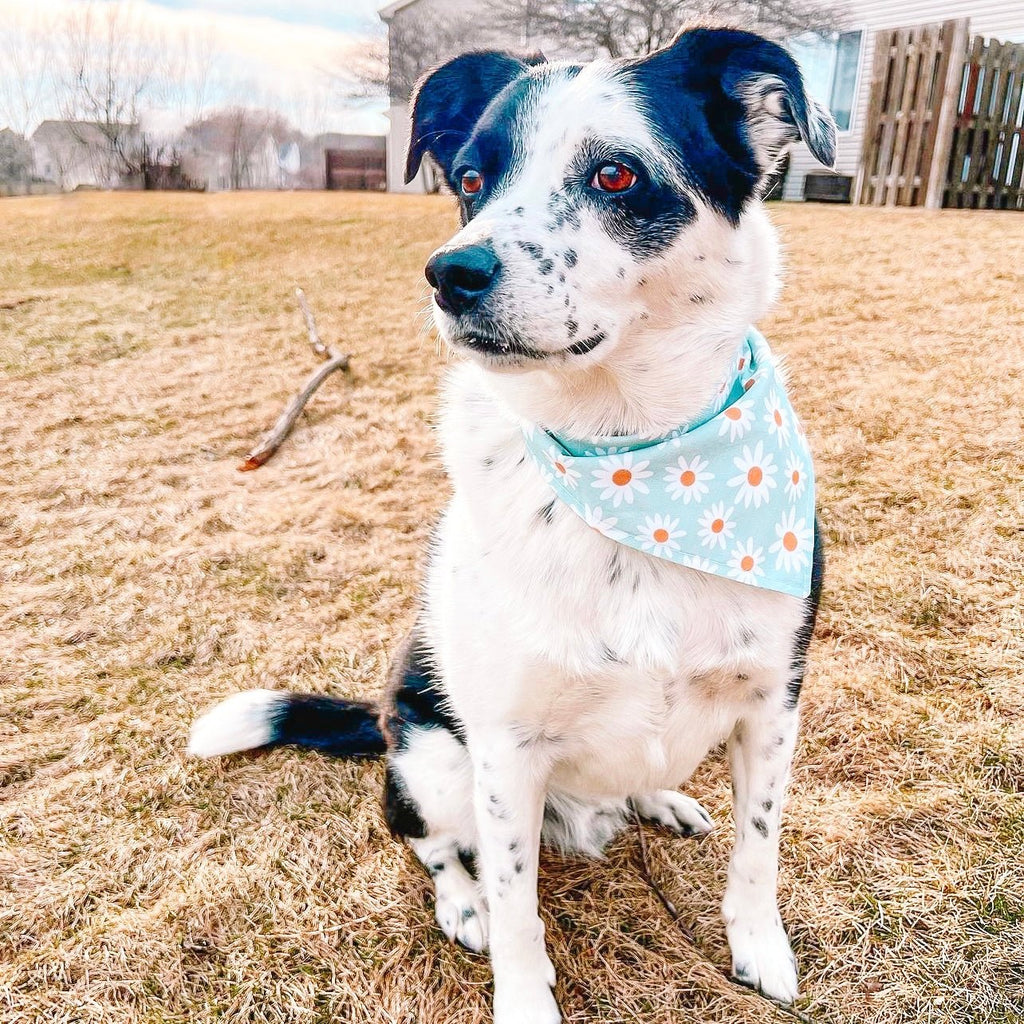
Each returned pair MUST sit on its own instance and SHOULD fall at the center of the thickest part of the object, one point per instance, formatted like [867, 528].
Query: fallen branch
[274, 438]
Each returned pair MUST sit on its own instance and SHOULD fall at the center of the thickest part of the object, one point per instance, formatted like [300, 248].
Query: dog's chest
[630, 666]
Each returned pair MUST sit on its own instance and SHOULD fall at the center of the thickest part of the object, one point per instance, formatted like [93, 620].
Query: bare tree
[414, 43]
[622, 28]
[26, 61]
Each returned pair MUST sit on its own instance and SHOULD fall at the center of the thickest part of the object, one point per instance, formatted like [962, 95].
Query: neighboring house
[838, 70]
[422, 33]
[72, 154]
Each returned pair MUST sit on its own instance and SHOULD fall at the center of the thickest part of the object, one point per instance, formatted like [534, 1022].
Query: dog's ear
[448, 101]
[765, 79]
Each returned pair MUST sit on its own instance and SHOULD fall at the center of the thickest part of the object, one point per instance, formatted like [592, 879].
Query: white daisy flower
[792, 548]
[737, 419]
[596, 520]
[698, 563]
[621, 478]
[688, 479]
[716, 526]
[746, 561]
[659, 535]
[561, 467]
[796, 477]
[777, 418]
[756, 476]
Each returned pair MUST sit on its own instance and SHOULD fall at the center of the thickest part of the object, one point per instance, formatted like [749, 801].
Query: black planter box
[827, 188]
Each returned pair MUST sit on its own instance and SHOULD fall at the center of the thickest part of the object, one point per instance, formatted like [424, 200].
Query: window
[829, 65]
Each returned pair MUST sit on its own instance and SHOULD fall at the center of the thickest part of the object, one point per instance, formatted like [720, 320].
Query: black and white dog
[612, 255]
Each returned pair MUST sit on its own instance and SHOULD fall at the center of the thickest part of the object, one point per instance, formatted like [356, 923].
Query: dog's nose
[462, 277]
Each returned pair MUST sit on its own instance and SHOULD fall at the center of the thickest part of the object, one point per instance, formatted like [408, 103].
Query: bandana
[731, 494]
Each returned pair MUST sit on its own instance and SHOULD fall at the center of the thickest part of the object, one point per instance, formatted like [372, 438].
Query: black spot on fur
[622, 273]
[519, 211]
[401, 814]
[767, 805]
[614, 568]
[698, 300]
[587, 344]
[547, 512]
[467, 858]
[436, 868]
[762, 828]
[609, 655]
[519, 867]
[468, 913]
[531, 249]
[742, 677]
[572, 327]
[513, 846]
[570, 257]
[488, 462]
[802, 638]
[545, 267]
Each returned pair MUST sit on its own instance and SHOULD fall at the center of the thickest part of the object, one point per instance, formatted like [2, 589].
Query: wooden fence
[986, 164]
[944, 125]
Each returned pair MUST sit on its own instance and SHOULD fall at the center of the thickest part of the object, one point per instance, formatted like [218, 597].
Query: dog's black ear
[448, 101]
[766, 80]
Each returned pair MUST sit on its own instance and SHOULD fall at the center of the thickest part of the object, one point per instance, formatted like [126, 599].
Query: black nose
[462, 277]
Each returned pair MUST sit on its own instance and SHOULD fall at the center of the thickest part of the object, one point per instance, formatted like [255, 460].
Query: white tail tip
[244, 721]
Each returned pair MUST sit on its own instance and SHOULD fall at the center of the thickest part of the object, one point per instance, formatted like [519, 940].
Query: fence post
[947, 114]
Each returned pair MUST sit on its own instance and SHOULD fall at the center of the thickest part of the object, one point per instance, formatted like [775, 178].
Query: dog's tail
[272, 718]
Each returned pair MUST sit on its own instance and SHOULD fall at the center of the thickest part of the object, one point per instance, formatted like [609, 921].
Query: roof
[388, 11]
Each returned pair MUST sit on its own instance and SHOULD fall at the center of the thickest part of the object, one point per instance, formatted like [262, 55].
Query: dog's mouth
[495, 346]
[504, 349]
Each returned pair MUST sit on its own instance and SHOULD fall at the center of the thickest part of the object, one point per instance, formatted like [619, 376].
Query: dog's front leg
[760, 753]
[508, 800]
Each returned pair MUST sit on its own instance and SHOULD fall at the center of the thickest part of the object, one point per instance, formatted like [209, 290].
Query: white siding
[999, 19]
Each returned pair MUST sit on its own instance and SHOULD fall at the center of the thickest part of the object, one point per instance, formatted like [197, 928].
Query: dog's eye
[613, 177]
[471, 182]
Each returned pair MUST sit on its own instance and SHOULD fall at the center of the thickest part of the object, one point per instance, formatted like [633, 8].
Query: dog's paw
[680, 813]
[762, 959]
[532, 1003]
[461, 912]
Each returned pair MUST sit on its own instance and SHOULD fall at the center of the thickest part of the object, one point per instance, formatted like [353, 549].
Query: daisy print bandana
[731, 495]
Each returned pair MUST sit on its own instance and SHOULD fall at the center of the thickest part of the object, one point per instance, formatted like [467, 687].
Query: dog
[564, 674]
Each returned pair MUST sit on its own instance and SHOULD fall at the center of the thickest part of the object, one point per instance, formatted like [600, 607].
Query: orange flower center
[733, 413]
[718, 526]
[778, 418]
[560, 468]
[748, 384]
[688, 478]
[660, 536]
[796, 476]
[789, 541]
[754, 476]
[621, 477]
[747, 563]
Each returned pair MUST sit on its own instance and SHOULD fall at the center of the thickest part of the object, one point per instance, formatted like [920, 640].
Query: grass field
[147, 341]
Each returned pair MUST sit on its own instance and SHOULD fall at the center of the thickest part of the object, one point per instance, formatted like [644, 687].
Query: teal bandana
[731, 495]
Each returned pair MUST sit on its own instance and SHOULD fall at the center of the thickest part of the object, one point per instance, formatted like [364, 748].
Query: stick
[274, 438]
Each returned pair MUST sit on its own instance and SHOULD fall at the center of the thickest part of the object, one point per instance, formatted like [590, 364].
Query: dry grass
[145, 342]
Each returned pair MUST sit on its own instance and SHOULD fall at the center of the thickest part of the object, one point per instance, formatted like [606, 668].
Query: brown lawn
[147, 341]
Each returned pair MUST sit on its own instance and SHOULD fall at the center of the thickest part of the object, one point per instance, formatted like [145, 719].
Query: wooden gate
[986, 164]
[945, 124]
[914, 76]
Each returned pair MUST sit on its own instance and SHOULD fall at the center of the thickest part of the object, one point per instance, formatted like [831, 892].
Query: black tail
[273, 718]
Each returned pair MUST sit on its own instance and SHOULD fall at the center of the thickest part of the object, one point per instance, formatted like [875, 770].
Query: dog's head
[603, 200]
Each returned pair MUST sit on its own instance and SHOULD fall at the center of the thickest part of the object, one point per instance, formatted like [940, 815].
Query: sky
[268, 53]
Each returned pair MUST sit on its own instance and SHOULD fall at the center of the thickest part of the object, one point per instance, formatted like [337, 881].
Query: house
[837, 68]
[422, 33]
[76, 154]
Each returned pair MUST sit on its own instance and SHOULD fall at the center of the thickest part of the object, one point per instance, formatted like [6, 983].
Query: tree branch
[275, 437]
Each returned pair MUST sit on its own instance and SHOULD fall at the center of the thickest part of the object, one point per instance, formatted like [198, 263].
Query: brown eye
[472, 182]
[613, 178]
